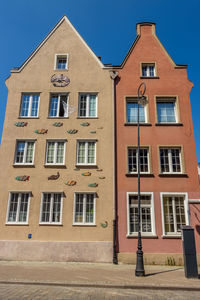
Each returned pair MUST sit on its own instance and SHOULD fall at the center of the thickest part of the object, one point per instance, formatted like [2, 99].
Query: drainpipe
[113, 75]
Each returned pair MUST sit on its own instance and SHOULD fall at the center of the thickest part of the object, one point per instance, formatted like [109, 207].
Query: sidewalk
[95, 275]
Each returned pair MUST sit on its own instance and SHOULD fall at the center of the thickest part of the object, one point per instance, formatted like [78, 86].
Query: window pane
[133, 216]
[60, 153]
[91, 152]
[61, 63]
[83, 105]
[63, 109]
[168, 214]
[180, 212]
[56, 208]
[50, 152]
[176, 164]
[151, 71]
[23, 208]
[164, 160]
[53, 106]
[12, 215]
[81, 152]
[20, 152]
[79, 208]
[34, 108]
[29, 152]
[132, 160]
[89, 218]
[131, 108]
[46, 208]
[25, 105]
[144, 167]
[92, 105]
[144, 71]
[166, 112]
[146, 219]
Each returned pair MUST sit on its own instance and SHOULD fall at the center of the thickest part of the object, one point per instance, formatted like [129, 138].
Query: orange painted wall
[172, 81]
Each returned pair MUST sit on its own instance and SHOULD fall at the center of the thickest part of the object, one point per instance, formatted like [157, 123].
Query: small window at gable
[61, 62]
[148, 70]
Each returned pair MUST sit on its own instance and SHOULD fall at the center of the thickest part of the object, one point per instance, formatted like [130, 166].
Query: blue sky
[109, 28]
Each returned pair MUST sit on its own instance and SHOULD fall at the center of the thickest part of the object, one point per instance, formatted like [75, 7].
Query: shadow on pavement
[155, 273]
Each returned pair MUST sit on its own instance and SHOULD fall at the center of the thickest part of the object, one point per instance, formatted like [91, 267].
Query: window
[86, 152]
[174, 213]
[87, 105]
[61, 62]
[166, 111]
[29, 105]
[170, 160]
[84, 209]
[148, 70]
[58, 106]
[51, 208]
[132, 113]
[133, 160]
[55, 152]
[24, 153]
[146, 217]
[18, 206]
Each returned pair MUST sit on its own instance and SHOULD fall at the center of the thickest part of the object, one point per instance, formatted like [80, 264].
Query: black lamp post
[139, 271]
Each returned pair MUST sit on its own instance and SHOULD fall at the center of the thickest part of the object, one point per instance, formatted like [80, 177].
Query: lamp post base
[139, 271]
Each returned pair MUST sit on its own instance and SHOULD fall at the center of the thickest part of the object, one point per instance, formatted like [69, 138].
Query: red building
[170, 190]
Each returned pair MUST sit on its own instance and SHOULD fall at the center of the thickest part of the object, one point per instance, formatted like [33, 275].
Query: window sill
[149, 77]
[168, 124]
[23, 166]
[135, 236]
[86, 166]
[55, 166]
[171, 236]
[50, 224]
[141, 175]
[173, 175]
[17, 224]
[61, 70]
[87, 118]
[57, 117]
[135, 124]
[84, 225]
[28, 117]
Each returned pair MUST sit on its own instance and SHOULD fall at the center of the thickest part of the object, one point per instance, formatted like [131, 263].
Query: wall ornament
[22, 178]
[59, 80]
[21, 124]
[54, 177]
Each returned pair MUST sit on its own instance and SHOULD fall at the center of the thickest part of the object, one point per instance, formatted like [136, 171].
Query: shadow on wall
[198, 229]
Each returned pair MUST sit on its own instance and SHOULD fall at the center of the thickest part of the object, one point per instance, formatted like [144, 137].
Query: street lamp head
[142, 100]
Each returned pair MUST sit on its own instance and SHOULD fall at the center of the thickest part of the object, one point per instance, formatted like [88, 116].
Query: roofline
[64, 18]
[177, 66]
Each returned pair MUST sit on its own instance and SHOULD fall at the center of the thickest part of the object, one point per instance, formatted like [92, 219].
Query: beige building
[56, 155]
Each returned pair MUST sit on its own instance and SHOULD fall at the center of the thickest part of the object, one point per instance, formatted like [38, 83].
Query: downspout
[113, 75]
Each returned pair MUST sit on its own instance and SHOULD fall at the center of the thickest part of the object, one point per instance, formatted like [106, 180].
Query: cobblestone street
[37, 292]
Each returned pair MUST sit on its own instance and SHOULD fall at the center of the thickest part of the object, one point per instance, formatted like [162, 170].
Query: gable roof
[138, 25]
[63, 19]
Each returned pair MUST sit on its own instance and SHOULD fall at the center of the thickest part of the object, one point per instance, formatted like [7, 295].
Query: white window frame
[86, 153]
[61, 55]
[25, 152]
[55, 152]
[187, 212]
[57, 114]
[148, 65]
[30, 105]
[51, 209]
[170, 159]
[165, 100]
[148, 158]
[151, 234]
[84, 209]
[87, 104]
[18, 208]
[134, 100]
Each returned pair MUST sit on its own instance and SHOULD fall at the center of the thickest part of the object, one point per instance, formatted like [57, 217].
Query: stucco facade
[167, 91]
[68, 239]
